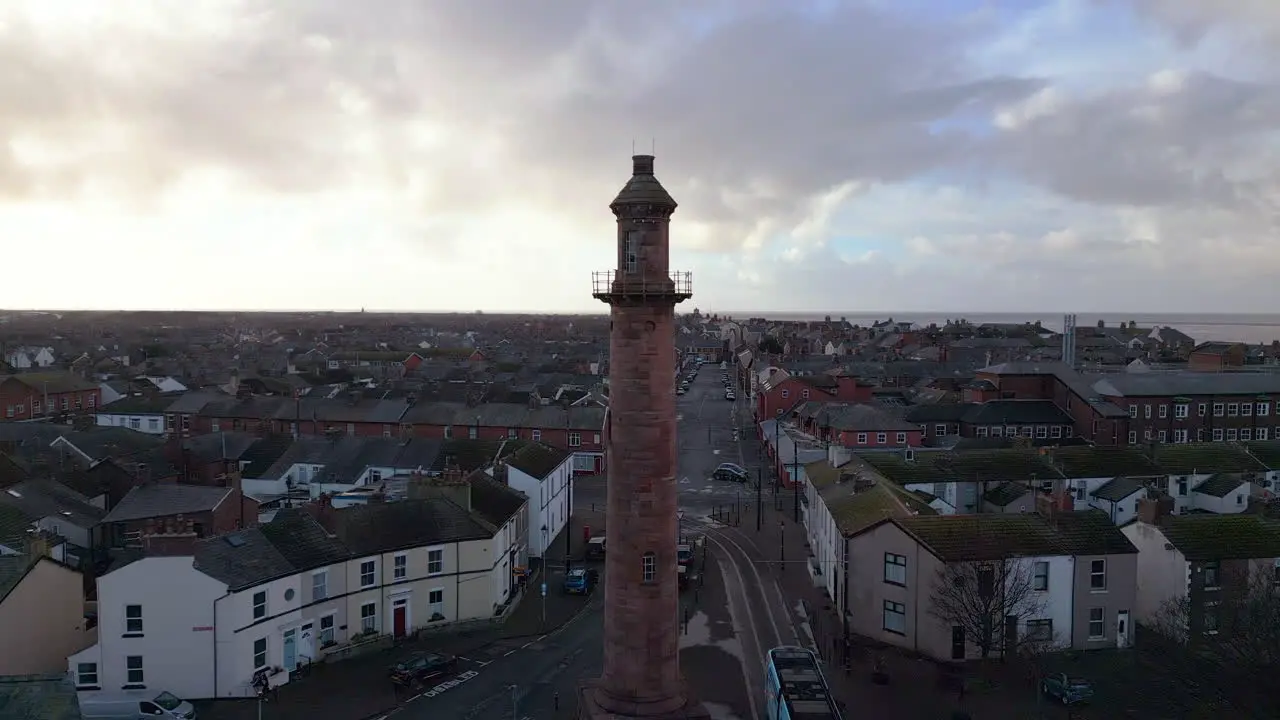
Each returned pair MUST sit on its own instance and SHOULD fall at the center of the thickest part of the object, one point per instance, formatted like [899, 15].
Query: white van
[135, 705]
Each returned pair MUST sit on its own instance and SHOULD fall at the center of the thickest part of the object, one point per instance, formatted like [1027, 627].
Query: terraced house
[304, 587]
[1059, 579]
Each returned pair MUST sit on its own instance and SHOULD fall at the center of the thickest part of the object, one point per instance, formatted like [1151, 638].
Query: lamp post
[514, 699]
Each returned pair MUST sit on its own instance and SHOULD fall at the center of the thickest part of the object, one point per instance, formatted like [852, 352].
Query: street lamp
[514, 698]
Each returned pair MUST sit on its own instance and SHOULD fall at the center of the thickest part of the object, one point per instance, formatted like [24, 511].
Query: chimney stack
[1155, 510]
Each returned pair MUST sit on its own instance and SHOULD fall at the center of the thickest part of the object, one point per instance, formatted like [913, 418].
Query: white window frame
[1202, 409]
[1217, 434]
[1055, 431]
[575, 439]
[940, 430]
[649, 566]
[1246, 434]
[87, 678]
[129, 619]
[1146, 411]
[1218, 409]
[1040, 580]
[897, 611]
[1042, 432]
[399, 566]
[1164, 411]
[1133, 410]
[1101, 623]
[785, 393]
[368, 620]
[1263, 409]
[902, 438]
[535, 435]
[435, 561]
[1233, 409]
[320, 579]
[1263, 433]
[435, 607]
[1094, 574]
[371, 574]
[259, 604]
[882, 438]
[1181, 411]
[895, 569]
[257, 663]
[1246, 409]
[330, 638]
[862, 438]
[1231, 434]
[129, 670]
[1133, 437]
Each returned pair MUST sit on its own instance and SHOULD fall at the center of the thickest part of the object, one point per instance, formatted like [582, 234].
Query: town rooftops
[967, 538]
[153, 500]
[538, 459]
[38, 697]
[1100, 461]
[1138, 385]
[1205, 457]
[1119, 488]
[1266, 451]
[1016, 412]
[1201, 537]
[385, 527]
[51, 382]
[494, 501]
[40, 499]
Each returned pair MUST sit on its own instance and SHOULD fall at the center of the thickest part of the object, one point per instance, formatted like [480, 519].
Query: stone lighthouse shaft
[641, 677]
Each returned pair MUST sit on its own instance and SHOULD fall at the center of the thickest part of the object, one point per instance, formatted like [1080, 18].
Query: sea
[1248, 328]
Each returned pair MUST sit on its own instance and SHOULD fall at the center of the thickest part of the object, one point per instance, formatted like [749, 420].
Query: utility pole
[568, 518]
[782, 545]
[514, 713]
[795, 481]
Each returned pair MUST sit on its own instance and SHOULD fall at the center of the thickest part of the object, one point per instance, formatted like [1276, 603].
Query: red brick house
[578, 429]
[785, 391]
[1215, 356]
[29, 396]
[863, 426]
[171, 514]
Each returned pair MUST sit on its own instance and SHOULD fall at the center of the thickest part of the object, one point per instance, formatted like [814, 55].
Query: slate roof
[864, 417]
[1206, 457]
[1101, 461]
[153, 500]
[968, 538]
[301, 540]
[1266, 451]
[538, 459]
[1016, 412]
[643, 187]
[1219, 485]
[38, 697]
[494, 501]
[13, 527]
[469, 455]
[937, 412]
[262, 454]
[385, 527]
[104, 442]
[39, 499]
[1005, 493]
[1118, 489]
[1187, 383]
[54, 382]
[12, 569]
[1201, 537]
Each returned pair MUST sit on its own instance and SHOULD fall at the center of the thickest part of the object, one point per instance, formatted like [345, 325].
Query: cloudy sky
[1002, 155]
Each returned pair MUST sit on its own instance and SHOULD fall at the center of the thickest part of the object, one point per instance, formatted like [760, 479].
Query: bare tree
[1239, 628]
[990, 601]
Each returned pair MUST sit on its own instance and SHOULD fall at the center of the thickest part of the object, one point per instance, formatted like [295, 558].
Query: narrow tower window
[632, 259]
[649, 564]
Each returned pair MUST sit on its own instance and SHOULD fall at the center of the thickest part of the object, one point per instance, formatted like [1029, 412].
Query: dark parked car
[731, 472]
[421, 667]
[1067, 690]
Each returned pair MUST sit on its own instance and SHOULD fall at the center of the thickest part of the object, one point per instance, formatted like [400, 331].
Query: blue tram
[795, 688]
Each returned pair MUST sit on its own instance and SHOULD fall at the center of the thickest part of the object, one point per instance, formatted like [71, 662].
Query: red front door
[399, 619]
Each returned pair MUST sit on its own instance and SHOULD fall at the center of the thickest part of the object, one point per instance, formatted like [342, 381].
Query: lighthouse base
[595, 704]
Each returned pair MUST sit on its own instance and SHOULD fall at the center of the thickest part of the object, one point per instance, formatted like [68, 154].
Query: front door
[400, 617]
[290, 649]
[1122, 629]
[957, 642]
[306, 644]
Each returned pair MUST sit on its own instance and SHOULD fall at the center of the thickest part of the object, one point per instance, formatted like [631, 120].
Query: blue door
[290, 649]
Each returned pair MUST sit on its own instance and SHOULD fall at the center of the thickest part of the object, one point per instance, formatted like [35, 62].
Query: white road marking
[749, 674]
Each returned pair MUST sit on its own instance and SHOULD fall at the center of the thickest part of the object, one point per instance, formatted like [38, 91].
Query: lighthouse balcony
[613, 286]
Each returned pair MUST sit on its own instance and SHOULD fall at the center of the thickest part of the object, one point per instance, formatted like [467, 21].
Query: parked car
[731, 472]
[1067, 690]
[595, 548]
[680, 391]
[133, 704]
[421, 667]
[730, 396]
[579, 581]
[684, 555]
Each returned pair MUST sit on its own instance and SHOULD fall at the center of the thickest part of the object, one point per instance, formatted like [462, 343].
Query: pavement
[358, 688]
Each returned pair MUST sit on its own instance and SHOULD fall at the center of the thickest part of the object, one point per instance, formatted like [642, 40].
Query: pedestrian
[555, 700]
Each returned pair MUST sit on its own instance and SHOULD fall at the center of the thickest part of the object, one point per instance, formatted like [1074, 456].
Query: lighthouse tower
[641, 626]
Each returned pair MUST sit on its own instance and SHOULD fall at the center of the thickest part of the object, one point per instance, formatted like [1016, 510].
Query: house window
[435, 603]
[1011, 430]
[64, 404]
[804, 394]
[1211, 617]
[132, 620]
[214, 425]
[448, 432]
[1040, 575]
[1261, 433]
[259, 654]
[862, 438]
[1231, 434]
[596, 438]
[902, 438]
[368, 617]
[631, 258]
[575, 439]
[940, 430]
[1164, 435]
[1164, 411]
[895, 617]
[1212, 576]
[133, 671]
[997, 431]
[1133, 437]
[435, 561]
[375, 475]
[1180, 436]
[1217, 434]
[882, 438]
[399, 566]
[368, 573]
[1026, 431]
[895, 569]
[153, 424]
[1040, 630]
[982, 431]
[786, 394]
[1097, 623]
[386, 431]
[1263, 409]
[1246, 433]
[1217, 409]
[326, 631]
[135, 423]
[259, 605]
[473, 432]
[1098, 575]
[1233, 409]
[1182, 486]
[1133, 411]
[1042, 431]
[1201, 408]
[1181, 410]
[649, 566]
[320, 585]
[536, 435]
[512, 433]
[86, 675]
[93, 400]
[1246, 409]
[1146, 411]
